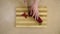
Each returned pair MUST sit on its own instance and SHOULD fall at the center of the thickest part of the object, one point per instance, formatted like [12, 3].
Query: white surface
[7, 19]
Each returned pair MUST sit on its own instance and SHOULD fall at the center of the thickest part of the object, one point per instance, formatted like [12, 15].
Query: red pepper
[24, 14]
[39, 20]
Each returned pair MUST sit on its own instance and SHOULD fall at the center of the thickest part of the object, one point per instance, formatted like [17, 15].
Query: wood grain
[29, 21]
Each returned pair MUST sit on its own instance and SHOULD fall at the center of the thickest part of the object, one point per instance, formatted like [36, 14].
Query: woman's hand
[34, 10]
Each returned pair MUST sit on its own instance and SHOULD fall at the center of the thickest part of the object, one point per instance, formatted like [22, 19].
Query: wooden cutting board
[29, 21]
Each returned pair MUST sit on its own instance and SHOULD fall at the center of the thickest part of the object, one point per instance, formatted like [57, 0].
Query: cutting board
[29, 21]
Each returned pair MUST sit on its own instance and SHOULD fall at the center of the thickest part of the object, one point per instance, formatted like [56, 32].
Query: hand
[34, 10]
